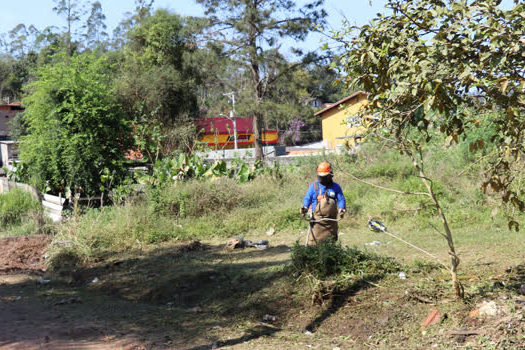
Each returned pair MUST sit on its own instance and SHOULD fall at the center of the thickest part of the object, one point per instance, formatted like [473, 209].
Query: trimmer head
[376, 226]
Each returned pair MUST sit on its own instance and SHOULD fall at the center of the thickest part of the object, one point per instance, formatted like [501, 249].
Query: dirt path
[199, 296]
[32, 321]
[33, 315]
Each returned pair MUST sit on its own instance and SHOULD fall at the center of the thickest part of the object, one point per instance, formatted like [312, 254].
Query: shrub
[76, 128]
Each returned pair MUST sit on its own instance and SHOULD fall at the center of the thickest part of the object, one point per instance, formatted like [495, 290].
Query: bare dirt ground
[199, 296]
[23, 253]
[31, 317]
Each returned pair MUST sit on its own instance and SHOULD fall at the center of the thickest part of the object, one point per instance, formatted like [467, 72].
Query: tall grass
[20, 213]
[186, 210]
[224, 208]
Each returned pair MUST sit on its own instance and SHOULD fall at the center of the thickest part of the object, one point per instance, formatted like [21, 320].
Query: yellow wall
[334, 125]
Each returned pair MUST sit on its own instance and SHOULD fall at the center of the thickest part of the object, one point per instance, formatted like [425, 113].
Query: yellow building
[340, 122]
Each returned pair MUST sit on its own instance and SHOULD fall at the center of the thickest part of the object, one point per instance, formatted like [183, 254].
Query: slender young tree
[95, 26]
[248, 28]
[435, 66]
[18, 40]
[72, 11]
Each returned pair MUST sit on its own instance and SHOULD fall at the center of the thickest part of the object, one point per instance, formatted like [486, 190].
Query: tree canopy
[436, 64]
[155, 75]
[435, 67]
[249, 29]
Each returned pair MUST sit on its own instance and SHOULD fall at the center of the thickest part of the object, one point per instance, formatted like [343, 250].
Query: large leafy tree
[287, 105]
[14, 73]
[435, 66]
[248, 28]
[76, 129]
[158, 85]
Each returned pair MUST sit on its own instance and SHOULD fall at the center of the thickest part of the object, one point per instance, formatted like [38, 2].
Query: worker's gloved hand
[304, 210]
[342, 213]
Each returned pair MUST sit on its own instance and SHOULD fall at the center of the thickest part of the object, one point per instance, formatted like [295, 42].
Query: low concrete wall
[6, 186]
[9, 153]
[243, 153]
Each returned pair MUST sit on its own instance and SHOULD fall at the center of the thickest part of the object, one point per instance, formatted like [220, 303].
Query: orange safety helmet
[324, 169]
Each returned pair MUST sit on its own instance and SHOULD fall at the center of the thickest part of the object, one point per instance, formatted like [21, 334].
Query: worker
[324, 199]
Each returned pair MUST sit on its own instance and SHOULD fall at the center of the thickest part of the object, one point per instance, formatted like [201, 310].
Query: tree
[6, 64]
[95, 27]
[427, 65]
[72, 11]
[325, 83]
[76, 129]
[19, 39]
[158, 84]
[143, 9]
[249, 27]
[286, 106]
[14, 73]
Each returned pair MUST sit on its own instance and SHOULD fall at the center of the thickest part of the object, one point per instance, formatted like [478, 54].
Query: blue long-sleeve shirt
[311, 197]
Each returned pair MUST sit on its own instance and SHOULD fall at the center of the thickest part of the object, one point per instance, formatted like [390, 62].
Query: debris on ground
[42, 281]
[432, 318]
[402, 275]
[68, 301]
[234, 243]
[488, 308]
[262, 244]
[271, 231]
[373, 243]
[240, 243]
[269, 318]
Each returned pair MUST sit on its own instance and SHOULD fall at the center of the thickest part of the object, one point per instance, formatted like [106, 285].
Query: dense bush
[76, 129]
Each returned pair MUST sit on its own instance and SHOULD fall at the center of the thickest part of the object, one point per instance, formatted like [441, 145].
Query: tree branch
[386, 188]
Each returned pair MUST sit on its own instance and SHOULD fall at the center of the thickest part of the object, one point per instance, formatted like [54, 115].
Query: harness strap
[316, 187]
[317, 195]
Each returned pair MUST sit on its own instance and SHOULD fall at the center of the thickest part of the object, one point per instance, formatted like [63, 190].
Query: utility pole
[231, 95]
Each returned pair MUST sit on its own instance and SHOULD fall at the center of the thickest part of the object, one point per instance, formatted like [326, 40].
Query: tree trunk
[257, 87]
[257, 142]
[454, 259]
[68, 38]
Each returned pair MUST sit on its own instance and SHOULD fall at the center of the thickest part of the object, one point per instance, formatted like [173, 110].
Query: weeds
[21, 214]
[16, 205]
[198, 208]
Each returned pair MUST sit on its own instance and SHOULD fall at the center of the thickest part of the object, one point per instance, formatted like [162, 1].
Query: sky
[40, 13]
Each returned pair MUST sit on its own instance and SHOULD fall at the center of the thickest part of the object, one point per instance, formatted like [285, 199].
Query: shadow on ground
[182, 297]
